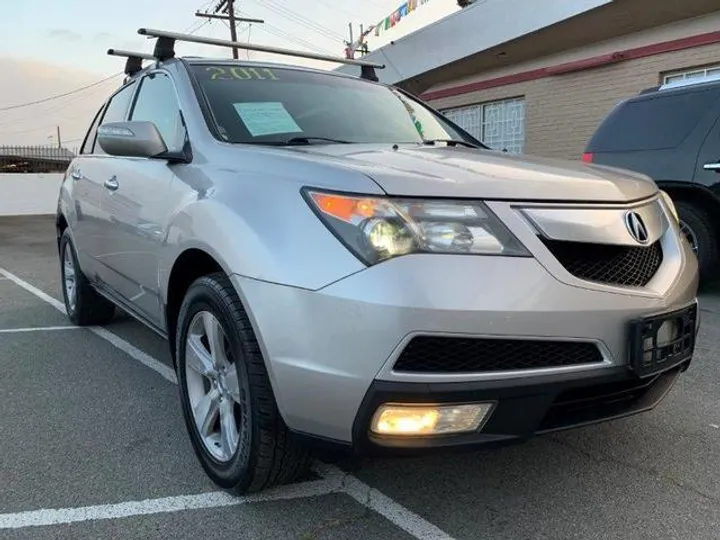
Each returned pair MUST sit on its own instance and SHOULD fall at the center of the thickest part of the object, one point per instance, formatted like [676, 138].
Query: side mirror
[131, 139]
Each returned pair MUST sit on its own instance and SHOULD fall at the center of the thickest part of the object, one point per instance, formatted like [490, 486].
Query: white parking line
[132, 351]
[394, 512]
[38, 329]
[216, 499]
[34, 290]
[334, 480]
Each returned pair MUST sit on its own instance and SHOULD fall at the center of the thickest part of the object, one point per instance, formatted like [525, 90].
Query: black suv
[672, 134]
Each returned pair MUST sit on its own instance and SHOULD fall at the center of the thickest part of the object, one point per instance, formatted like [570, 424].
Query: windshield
[274, 106]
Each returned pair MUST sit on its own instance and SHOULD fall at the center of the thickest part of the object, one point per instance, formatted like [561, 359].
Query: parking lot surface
[94, 446]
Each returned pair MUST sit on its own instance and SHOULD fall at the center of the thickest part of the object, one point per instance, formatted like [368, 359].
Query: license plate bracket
[661, 342]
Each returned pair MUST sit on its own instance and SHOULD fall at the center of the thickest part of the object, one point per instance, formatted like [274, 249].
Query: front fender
[268, 235]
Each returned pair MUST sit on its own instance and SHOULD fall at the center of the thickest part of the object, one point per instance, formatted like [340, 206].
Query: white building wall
[29, 194]
[669, 32]
[483, 25]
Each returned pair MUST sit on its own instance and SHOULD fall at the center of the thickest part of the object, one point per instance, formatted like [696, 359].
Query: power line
[289, 37]
[303, 21]
[62, 119]
[58, 96]
[279, 32]
[54, 107]
[229, 7]
[340, 8]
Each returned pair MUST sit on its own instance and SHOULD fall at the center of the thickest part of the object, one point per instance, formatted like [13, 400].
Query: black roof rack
[165, 49]
[134, 60]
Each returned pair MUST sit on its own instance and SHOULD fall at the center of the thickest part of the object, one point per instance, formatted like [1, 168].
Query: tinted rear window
[653, 123]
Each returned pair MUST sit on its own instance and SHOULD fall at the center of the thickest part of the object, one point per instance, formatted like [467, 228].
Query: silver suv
[334, 262]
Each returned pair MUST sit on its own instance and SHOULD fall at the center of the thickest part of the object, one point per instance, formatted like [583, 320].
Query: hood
[426, 171]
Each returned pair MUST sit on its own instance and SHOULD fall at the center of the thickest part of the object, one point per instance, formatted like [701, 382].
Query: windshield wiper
[309, 140]
[451, 142]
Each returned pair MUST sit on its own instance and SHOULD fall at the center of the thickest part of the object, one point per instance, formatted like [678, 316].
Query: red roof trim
[579, 65]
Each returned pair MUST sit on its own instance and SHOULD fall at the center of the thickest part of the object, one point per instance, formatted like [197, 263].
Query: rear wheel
[228, 404]
[699, 230]
[84, 306]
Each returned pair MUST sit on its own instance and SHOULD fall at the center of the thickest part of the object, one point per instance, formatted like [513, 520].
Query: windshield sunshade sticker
[240, 74]
[266, 118]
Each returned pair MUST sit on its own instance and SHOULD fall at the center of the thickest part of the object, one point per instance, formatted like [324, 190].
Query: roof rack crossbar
[134, 59]
[164, 49]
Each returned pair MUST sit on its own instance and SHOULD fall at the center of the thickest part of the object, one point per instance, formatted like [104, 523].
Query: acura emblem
[636, 227]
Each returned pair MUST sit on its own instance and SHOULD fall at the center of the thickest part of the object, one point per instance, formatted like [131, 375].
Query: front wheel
[228, 404]
[699, 230]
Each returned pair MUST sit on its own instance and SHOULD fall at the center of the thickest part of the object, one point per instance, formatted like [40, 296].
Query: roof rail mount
[165, 49]
[134, 59]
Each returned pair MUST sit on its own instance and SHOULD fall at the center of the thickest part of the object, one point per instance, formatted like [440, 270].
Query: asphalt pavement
[93, 446]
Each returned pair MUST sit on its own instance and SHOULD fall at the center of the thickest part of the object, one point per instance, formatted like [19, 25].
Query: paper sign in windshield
[266, 118]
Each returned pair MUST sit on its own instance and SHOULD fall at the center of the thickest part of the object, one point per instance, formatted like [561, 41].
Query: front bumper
[330, 352]
[523, 408]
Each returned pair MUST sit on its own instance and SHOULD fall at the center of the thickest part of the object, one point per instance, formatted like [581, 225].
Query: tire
[699, 228]
[262, 452]
[83, 304]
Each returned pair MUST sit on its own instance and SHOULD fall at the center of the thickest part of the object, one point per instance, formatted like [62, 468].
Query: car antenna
[134, 60]
[165, 49]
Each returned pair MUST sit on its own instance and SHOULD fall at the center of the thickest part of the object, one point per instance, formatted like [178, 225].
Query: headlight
[670, 204]
[377, 228]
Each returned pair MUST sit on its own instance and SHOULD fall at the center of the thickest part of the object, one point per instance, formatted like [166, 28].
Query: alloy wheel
[212, 386]
[69, 278]
[690, 236]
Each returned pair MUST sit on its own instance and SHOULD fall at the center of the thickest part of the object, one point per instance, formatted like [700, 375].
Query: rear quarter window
[653, 123]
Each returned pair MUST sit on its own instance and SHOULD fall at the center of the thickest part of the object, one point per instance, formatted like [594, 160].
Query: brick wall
[562, 112]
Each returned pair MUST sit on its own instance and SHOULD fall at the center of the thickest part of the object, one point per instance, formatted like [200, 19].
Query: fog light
[414, 420]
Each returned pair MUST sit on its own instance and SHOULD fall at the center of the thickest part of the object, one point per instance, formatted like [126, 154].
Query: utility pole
[58, 136]
[363, 43]
[349, 49]
[228, 6]
[233, 27]
[359, 45]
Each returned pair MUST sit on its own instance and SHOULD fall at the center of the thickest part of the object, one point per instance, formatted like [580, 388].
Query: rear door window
[653, 123]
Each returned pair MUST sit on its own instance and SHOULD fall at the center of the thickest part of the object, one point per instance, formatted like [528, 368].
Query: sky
[50, 47]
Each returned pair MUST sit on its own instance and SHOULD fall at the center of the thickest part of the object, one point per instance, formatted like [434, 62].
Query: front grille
[632, 266]
[430, 354]
[591, 404]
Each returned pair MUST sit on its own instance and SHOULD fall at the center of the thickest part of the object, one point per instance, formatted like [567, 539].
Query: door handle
[112, 183]
[76, 174]
[712, 166]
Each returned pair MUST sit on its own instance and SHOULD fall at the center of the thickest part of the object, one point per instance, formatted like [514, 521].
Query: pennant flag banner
[396, 16]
